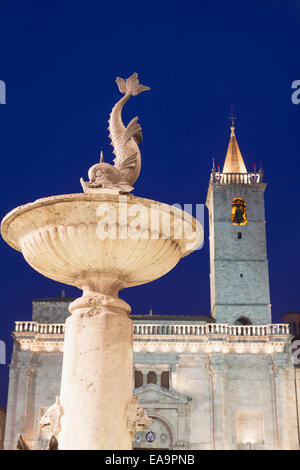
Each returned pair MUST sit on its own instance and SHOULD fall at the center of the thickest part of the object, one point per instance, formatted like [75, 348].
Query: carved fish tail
[131, 86]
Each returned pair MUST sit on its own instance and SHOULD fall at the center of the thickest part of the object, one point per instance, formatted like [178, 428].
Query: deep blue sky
[59, 61]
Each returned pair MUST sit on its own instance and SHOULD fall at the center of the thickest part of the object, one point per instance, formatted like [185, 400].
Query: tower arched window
[151, 377]
[165, 379]
[138, 379]
[238, 211]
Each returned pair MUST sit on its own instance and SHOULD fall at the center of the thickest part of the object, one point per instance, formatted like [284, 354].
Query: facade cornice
[160, 395]
[212, 345]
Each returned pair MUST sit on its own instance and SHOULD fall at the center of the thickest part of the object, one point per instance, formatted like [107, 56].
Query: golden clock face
[238, 211]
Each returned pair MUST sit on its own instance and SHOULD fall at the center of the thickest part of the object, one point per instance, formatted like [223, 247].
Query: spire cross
[232, 117]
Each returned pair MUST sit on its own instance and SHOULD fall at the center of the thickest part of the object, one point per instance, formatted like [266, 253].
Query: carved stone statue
[137, 419]
[120, 177]
[51, 419]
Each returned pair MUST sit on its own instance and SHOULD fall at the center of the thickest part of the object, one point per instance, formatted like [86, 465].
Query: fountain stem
[96, 384]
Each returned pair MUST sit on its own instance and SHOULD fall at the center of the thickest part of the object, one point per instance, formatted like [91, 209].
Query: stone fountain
[101, 241]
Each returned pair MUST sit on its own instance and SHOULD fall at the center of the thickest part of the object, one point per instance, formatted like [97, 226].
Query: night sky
[59, 61]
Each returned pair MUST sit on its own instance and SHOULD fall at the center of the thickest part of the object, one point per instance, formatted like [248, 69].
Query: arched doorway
[157, 436]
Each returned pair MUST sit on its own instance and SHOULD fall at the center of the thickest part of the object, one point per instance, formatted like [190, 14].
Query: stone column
[158, 378]
[144, 377]
[216, 369]
[273, 397]
[30, 423]
[279, 363]
[211, 374]
[16, 403]
[96, 384]
[181, 443]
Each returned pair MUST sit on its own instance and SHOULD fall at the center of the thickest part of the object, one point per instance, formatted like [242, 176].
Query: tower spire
[234, 162]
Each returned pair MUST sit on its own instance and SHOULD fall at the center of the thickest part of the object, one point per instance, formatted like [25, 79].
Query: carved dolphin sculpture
[125, 140]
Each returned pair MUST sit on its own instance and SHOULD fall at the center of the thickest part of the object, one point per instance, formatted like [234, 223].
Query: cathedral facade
[225, 381]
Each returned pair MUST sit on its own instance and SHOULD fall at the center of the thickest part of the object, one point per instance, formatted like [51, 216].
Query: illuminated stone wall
[222, 385]
[34, 382]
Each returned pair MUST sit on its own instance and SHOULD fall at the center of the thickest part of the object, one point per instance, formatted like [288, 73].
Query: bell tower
[239, 278]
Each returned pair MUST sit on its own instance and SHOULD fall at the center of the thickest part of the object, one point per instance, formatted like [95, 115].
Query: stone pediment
[152, 393]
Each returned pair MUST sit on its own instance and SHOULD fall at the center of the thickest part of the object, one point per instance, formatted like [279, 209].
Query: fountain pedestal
[96, 384]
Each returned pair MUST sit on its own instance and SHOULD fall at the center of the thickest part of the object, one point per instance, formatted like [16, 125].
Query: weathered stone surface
[97, 375]
[51, 310]
[2, 426]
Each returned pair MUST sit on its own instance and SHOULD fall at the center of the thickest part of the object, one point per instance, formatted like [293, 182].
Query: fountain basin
[68, 237]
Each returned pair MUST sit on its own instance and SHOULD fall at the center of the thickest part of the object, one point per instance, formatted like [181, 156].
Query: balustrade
[153, 329]
[236, 178]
